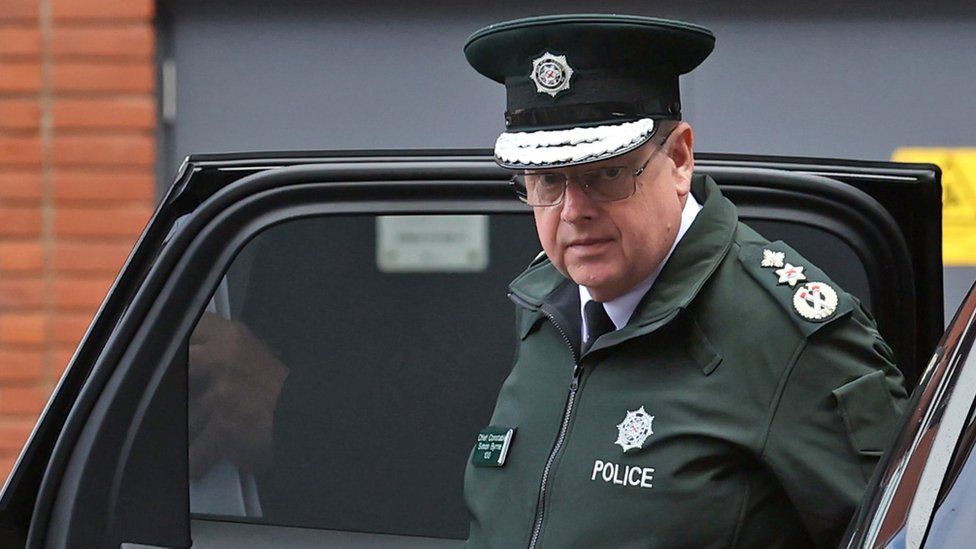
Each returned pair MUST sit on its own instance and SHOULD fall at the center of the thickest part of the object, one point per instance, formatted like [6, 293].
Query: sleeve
[838, 407]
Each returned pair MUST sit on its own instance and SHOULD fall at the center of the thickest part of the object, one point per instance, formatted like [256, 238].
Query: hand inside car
[234, 386]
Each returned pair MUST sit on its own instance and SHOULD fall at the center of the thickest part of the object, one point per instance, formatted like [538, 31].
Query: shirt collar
[622, 308]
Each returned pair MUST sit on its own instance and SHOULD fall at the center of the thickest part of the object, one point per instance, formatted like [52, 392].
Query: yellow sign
[958, 199]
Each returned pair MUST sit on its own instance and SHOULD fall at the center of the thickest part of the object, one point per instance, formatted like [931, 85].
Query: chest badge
[815, 301]
[633, 431]
[551, 73]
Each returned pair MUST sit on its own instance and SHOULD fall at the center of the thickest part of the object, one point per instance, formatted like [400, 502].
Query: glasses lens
[542, 188]
[609, 183]
[605, 184]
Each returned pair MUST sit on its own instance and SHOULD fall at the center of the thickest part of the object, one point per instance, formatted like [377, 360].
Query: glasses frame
[521, 190]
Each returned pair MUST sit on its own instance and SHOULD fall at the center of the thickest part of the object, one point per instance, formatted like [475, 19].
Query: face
[609, 247]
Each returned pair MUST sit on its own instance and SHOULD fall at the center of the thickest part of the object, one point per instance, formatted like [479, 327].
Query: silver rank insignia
[815, 300]
[634, 429]
[790, 275]
[773, 259]
[551, 73]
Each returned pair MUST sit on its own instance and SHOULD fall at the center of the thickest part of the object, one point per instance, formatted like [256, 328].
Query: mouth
[588, 244]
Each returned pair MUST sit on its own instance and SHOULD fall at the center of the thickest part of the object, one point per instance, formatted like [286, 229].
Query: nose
[577, 205]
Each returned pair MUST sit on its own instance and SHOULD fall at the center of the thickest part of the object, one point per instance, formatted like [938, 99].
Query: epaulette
[811, 299]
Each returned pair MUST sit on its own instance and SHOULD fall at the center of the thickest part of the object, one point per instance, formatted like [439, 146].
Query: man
[680, 381]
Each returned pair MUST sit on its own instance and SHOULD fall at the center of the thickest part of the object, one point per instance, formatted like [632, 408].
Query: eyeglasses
[607, 184]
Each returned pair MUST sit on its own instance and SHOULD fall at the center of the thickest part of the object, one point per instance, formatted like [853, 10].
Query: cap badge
[815, 300]
[773, 259]
[634, 429]
[790, 275]
[551, 73]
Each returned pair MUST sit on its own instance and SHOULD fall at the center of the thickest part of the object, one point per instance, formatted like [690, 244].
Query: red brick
[118, 150]
[20, 221]
[103, 9]
[21, 365]
[124, 42]
[22, 400]
[17, 76]
[20, 151]
[90, 257]
[67, 328]
[20, 41]
[12, 10]
[13, 435]
[22, 328]
[21, 293]
[80, 293]
[115, 186]
[124, 113]
[21, 257]
[104, 77]
[7, 463]
[119, 221]
[20, 186]
[19, 114]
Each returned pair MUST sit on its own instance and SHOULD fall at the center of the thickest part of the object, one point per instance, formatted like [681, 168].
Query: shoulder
[790, 282]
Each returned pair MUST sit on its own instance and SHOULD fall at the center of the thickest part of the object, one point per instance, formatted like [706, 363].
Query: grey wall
[841, 79]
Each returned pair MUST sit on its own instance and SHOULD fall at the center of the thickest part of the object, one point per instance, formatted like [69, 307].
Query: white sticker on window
[432, 243]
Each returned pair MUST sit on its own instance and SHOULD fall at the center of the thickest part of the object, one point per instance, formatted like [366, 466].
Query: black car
[378, 280]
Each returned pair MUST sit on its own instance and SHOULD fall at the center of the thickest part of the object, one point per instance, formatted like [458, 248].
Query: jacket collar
[692, 263]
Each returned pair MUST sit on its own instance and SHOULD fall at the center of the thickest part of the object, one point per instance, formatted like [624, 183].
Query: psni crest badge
[551, 73]
[634, 430]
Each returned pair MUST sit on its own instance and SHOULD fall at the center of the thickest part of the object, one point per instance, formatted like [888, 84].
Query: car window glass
[392, 336]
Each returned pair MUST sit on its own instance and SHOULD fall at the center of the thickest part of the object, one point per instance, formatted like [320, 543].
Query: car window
[393, 335]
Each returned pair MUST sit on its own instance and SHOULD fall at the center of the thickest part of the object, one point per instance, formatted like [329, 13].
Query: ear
[680, 149]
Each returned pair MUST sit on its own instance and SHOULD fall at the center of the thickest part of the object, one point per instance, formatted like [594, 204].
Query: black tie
[597, 322]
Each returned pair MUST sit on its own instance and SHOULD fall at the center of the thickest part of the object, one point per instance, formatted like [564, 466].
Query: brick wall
[77, 150]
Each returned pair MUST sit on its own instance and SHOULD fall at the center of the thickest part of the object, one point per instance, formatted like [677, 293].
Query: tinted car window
[393, 366]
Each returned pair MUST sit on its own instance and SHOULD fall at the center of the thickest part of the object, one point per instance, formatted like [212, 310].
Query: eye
[549, 179]
[611, 173]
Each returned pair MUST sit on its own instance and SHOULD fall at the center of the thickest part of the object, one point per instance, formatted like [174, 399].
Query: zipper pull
[577, 372]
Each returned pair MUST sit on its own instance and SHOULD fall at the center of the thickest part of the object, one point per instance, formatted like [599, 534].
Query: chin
[590, 279]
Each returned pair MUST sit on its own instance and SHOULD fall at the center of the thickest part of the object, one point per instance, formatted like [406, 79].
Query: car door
[922, 491]
[357, 301]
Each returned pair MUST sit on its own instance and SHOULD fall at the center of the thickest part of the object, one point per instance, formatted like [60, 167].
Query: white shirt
[620, 309]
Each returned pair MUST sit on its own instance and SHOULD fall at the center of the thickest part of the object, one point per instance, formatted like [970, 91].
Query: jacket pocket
[869, 416]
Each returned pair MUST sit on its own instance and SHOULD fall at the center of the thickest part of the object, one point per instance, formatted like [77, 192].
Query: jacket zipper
[563, 429]
[541, 505]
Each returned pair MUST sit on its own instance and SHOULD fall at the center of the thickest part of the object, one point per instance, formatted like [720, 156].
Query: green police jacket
[728, 412]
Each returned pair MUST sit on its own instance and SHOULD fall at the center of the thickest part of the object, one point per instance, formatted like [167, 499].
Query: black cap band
[579, 115]
[649, 93]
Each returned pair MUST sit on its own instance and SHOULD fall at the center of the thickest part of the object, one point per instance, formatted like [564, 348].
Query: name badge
[492, 446]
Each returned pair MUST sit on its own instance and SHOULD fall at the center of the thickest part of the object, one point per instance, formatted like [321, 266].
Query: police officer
[680, 380]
